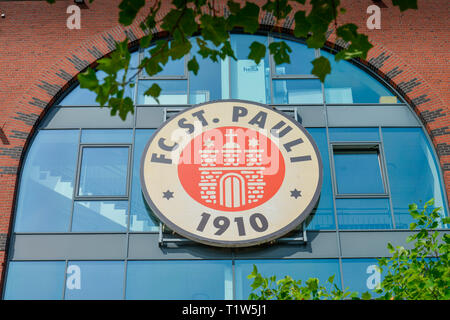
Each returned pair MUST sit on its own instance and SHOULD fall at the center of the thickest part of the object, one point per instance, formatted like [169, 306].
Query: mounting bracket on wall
[165, 237]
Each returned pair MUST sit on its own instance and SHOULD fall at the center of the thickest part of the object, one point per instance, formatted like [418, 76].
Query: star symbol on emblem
[168, 194]
[295, 193]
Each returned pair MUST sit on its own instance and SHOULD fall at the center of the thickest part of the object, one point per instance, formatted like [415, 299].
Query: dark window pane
[297, 269]
[248, 80]
[85, 97]
[349, 84]
[363, 214]
[413, 172]
[95, 280]
[104, 171]
[48, 173]
[142, 218]
[90, 216]
[358, 172]
[301, 58]
[322, 217]
[106, 136]
[175, 280]
[353, 134]
[35, 280]
[298, 91]
[172, 92]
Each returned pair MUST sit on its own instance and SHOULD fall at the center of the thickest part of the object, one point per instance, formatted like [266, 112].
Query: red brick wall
[39, 56]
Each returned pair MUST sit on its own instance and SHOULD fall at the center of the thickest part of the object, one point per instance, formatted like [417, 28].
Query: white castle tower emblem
[236, 181]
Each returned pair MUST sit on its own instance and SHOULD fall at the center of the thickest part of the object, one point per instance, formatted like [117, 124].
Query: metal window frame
[81, 147]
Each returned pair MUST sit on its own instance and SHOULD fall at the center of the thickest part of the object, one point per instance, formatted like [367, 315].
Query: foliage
[186, 18]
[290, 289]
[423, 272]
[420, 273]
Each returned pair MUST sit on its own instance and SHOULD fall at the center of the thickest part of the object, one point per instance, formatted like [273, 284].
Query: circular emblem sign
[231, 173]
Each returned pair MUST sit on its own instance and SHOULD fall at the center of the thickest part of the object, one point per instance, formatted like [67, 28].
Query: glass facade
[89, 177]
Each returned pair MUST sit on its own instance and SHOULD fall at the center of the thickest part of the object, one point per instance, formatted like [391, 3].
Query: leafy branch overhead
[182, 19]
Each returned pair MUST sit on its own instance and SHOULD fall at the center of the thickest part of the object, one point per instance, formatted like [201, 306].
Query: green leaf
[154, 91]
[405, 4]
[214, 29]
[248, 17]
[145, 41]
[193, 66]
[257, 51]
[280, 51]
[321, 68]
[302, 25]
[88, 79]
[129, 10]
[366, 296]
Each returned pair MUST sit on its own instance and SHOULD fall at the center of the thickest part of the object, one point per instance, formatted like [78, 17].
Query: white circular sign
[231, 173]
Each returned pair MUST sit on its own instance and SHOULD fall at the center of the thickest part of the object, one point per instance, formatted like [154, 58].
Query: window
[322, 217]
[361, 275]
[340, 88]
[297, 269]
[93, 216]
[363, 213]
[94, 280]
[172, 92]
[249, 81]
[103, 171]
[358, 169]
[175, 280]
[297, 91]
[142, 218]
[48, 173]
[413, 172]
[35, 280]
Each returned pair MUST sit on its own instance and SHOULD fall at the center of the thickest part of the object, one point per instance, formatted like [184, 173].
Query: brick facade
[40, 58]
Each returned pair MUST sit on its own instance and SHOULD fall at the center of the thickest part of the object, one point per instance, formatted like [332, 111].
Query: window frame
[359, 147]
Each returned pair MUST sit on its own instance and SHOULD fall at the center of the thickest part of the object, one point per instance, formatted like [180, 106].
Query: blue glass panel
[301, 58]
[211, 79]
[48, 173]
[84, 97]
[103, 171]
[141, 218]
[172, 92]
[358, 172]
[349, 84]
[106, 136]
[249, 81]
[353, 134]
[363, 214]
[175, 280]
[322, 217]
[361, 275]
[297, 269]
[298, 91]
[90, 216]
[95, 280]
[413, 172]
[35, 280]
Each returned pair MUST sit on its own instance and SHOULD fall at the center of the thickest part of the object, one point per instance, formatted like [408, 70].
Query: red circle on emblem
[231, 168]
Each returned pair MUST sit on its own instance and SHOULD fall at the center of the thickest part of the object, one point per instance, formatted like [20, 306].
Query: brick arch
[34, 105]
